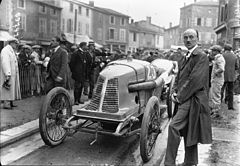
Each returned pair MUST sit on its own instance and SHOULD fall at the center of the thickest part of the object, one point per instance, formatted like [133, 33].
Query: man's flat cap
[216, 48]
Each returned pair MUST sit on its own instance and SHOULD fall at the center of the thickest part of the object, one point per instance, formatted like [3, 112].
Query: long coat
[57, 65]
[9, 66]
[192, 84]
[231, 66]
[80, 65]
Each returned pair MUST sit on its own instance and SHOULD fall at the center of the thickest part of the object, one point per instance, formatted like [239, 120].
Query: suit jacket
[230, 67]
[192, 84]
[79, 65]
[57, 65]
[24, 59]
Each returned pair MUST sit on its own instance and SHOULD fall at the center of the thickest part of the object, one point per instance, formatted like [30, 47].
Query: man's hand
[174, 98]
[7, 77]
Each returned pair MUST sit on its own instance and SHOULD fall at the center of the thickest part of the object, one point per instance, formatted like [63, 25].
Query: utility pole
[75, 27]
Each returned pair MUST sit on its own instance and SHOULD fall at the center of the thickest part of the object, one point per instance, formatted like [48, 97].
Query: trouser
[51, 83]
[91, 85]
[85, 87]
[78, 87]
[229, 93]
[215, 96]
[178, 123]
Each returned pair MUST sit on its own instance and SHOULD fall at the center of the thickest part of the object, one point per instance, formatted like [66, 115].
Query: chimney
[149, 20]
[91, 3]
[132, 21]
[170, 25]
[195, 1]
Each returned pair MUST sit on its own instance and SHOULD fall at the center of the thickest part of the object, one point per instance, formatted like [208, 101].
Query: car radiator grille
[110, 102]
[111, 97]
[94, 104]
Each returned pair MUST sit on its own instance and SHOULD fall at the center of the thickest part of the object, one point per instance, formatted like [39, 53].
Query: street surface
[77, 150]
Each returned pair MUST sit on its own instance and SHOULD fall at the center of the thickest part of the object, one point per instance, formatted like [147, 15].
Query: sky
[162, 12]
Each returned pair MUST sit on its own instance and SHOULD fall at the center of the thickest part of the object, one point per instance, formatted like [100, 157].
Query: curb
[17, 133]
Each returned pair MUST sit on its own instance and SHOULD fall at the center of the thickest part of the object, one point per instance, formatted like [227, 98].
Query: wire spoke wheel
[56, 109]
[150, 128]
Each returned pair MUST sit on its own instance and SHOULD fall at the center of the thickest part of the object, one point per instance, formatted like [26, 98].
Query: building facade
[144, 34]
[6, 15]
[110, 28]
[201, 16]
[35, 21]
[171, 36]
[228, 27]
[76, 21]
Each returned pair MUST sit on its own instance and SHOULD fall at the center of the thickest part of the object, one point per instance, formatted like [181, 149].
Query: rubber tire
[146, 156]
[170, 104]
[43, 112]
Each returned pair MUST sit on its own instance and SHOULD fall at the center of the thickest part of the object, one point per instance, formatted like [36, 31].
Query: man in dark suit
[57, 66]
[93, 65]
[192, 119]
[231, 68]
[79, 67]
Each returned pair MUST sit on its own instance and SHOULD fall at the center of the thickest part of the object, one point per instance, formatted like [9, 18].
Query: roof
[49, 3]
[110, 11]
[134, 27]
[203, 3]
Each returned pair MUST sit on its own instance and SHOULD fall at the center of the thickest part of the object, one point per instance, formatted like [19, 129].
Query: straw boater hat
[91, 43]
[36, 47]
[13, 39]
[27, 47]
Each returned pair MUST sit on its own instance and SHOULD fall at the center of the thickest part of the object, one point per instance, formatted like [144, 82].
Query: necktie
[187, 55]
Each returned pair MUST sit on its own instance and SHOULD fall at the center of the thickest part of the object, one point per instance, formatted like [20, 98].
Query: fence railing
[32, 79]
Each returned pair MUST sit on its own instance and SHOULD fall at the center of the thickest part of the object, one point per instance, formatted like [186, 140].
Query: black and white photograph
[120, 82]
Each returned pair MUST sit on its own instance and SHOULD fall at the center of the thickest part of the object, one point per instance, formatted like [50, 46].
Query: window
[79, 28]
[22, 22]
[69, 26]
[209, 22]
[189, 22]
[122, 35]
[63, 24]
[122, 21]
[99, 33]
[53, 27]
[79, 10]
[53, 12]
[111, 33]
[21, 4]
[100, 18]
[71, 7]
[112, 20]
[42, 25]
[87, 29]
[134, 36]
[87, 12]
[207, 36]
[222, 14]
[42, 9]
[199, 23]
[226, 12]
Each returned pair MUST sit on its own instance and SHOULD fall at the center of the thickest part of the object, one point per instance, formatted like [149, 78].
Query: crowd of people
[80, 73]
